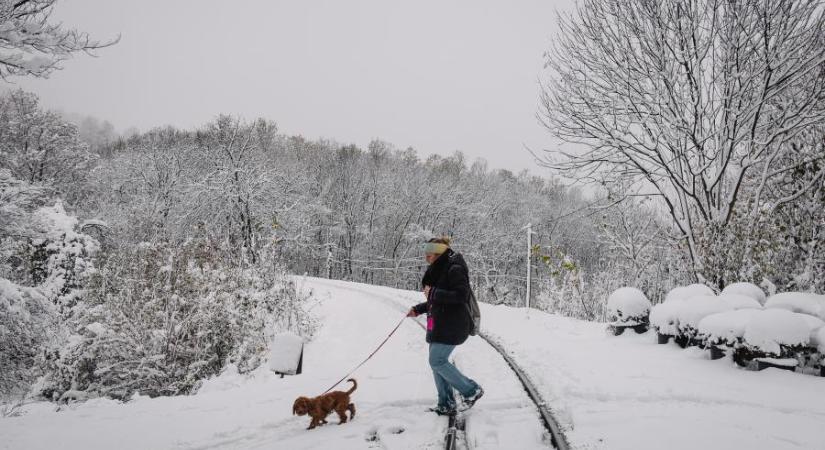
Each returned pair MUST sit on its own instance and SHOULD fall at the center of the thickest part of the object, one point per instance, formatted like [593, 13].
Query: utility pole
[529, 252]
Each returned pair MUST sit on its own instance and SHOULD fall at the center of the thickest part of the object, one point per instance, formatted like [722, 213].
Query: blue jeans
[447, 377]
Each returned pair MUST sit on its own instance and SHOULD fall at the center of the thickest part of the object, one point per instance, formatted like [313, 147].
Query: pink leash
[368, 357]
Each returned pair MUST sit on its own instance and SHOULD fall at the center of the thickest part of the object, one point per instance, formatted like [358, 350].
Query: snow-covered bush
[725, 328]
[628, 306]
[739, 301]
[686, 292]
[160, 318]
[774, 331]
[61, 257]
[26, 317]
[681, 317]
[748, 289]
[663, 317]
[694, 310]
[754, 333]
[814, 323]
[44, 261]
[801, 302]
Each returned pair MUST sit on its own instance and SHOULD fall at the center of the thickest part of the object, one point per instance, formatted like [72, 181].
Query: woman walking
[446, 285]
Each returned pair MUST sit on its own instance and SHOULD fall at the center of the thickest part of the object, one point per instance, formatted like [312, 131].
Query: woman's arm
[420, 308]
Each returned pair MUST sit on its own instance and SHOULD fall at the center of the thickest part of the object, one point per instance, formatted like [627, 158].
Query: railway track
[457, 423]
[557, 437]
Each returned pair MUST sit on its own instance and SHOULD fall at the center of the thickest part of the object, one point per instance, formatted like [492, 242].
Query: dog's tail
[354, 386]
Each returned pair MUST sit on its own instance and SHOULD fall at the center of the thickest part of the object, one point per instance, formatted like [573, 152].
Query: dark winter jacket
[447, 304]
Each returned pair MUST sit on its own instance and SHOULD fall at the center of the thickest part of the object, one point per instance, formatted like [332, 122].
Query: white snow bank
[801, 302]
[740, 301]
[686, 292]
[625, 305]
[285, 353]
[771, 328]
[726, 327]
[749, 289]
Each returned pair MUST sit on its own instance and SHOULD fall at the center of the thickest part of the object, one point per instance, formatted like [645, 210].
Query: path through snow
[255, 412]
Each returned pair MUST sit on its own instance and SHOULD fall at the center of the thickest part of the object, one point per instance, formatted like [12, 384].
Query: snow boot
[444, 410]
[471, 400]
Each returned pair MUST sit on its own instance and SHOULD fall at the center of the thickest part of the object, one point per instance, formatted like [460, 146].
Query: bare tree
[233, 180]
[691, 99]
[32, 46]
[39, 147]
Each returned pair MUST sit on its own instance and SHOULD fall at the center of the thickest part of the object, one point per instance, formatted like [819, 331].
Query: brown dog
[319, 407]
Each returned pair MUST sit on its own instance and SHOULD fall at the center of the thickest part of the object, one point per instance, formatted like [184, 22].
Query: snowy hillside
[608, 392]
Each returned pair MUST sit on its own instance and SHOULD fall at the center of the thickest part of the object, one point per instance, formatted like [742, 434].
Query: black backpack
[475, 313]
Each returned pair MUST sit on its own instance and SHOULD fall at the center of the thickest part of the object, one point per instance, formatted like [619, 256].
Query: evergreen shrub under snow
[748, 289]
[739, 301]
[686, 292]
[801, 302]
[725, 328]
[628, 306]
[775, 332]
[680, 317]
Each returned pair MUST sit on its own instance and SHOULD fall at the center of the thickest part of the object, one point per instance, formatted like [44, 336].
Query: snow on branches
[31, 45]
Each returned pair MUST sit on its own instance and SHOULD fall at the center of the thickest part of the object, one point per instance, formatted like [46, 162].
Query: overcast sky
[438, 76]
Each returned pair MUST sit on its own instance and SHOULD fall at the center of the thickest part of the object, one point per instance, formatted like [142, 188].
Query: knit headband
[435, 248]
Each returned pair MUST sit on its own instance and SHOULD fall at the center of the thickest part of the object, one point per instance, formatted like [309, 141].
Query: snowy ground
[608, 393]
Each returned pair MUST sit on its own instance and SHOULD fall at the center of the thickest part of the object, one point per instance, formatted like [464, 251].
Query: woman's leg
[452, 377]
[445, 392]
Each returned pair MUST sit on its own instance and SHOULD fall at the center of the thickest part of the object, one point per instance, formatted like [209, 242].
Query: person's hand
[412, 313]
[427, 292]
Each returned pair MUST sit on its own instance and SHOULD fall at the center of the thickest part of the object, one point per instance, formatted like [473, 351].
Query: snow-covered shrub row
[685, 306]
[681, 318]
[664, 317]
[628, 306]
[738, 301]
[686, 292]
[692, 315]
[160, 318]
[801, 302]
[772, 329]
[763, 333]
[726, 328]
[747, 289]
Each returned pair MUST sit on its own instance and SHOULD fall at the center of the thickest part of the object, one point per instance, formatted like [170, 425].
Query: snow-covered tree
[699, 103]
[33, 45]
[40, 147]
